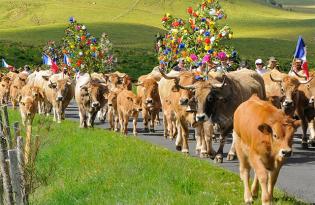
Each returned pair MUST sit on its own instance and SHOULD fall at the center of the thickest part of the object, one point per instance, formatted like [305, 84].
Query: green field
[94, 166]
[260, 30]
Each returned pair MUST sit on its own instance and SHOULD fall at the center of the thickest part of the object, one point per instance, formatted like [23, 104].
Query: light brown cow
[89, 96]
[263, 137]
[4, 90]
[112, 113]
[15, 88]
[180, 104]
[28, 109]
[118, 80]
[59, 92]
[147, 89]
[128, 105]
[295, 101]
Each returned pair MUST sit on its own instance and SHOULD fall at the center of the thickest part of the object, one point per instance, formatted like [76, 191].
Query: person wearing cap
[180, 66]
[27, 70]
[297, 68]
[273, 63]
[260, 69]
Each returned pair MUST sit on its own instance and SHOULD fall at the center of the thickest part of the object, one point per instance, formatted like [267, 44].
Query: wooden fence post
[8, 195]
[16, 179]
[21, 166]
[27, 149]
[6, 126]
[17, 131]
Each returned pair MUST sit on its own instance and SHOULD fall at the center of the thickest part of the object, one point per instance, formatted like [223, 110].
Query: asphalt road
[297, 176]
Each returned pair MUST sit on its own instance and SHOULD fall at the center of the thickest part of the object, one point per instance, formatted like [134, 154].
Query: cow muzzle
[110, 104]
[28, 114]
[59, 98]
[285, 153]
[183, 101]
[288, 104]
[95, 104]
[201, 117]
[149, 101]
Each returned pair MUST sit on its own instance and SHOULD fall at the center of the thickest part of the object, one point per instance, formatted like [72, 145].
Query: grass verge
[94, 166]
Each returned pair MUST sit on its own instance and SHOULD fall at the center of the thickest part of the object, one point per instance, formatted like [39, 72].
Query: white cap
[258, 61]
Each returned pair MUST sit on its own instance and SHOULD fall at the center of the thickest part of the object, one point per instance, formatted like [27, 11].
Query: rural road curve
[297, 177]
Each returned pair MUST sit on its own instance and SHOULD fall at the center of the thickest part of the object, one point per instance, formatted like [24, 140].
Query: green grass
[260, 30]
[94, 166]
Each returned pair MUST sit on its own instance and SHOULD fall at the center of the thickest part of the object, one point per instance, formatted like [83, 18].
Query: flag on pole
[47, 60]
[5, 65]
[54, 67]
[66, 60]
[300, 53]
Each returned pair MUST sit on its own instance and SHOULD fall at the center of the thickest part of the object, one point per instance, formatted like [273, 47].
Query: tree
[199, 38]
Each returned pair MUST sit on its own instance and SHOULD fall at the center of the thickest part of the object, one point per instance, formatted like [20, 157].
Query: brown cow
[295, 101]
[59, 92]
[180, 102]
[147, 89]
[219, 97]
[4, 90]
[118, 80]
[112, 109]
[89, 96]
[16, 87]
[128, 104]
[28, 109]
[263, 137]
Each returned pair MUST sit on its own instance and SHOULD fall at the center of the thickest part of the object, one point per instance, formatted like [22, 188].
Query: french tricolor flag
[300, 53]
[48, 61]
[4, 64]
[66, 60]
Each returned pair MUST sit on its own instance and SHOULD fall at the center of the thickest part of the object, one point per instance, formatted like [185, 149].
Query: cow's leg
[82, 118]
[245, 175]
[111, 119]
[116, 127]
[178, 141]
[208, 133]
[170, 128]
[272, 179]
[185, 134]
[55, 113]
[165, 125]
[304, 130]
[145, 116]
[219, 155]
[134, 122]
[93, 116]
[152, 122]
[231, 155]
[311, 127]
[198, 133]
[262, 175]
[126, 120]
[59, 112]
[121, 121]
[255, 187]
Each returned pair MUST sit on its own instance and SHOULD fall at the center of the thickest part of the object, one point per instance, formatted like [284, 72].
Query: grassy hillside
[260, 30]
[93, 166]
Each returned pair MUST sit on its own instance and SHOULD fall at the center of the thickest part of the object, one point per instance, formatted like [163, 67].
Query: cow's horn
[219, 85]
[298, 75]
[275, 80]
[168, 77]
[139, 83]
[187, 87]
[305, 81]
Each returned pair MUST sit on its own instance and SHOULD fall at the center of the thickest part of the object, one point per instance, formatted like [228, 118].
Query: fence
[13, 159]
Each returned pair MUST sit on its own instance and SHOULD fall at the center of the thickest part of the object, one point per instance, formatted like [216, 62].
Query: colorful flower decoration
[199, 38]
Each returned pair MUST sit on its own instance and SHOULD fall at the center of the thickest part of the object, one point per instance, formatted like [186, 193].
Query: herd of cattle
[264, 109]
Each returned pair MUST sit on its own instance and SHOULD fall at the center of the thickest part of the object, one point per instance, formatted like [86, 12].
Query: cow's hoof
[304, 145]
[249, 201]
[152, 131]
[204, 155]
[198, 152]
[230, 157]
[178, 148]
[135, 134]
[218, 158]
[311, 142]
[185, 151]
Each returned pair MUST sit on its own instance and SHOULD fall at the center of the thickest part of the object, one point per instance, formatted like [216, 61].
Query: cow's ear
[175, 88]
[297, 123]
[265, 128]
[129, 98]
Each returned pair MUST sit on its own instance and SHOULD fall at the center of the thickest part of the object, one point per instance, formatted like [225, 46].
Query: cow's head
[136, 103]
[28, 105]
[208, 94]
[112, 99]
[289, 88]
[61, 87]
[281, 134]
[94, 93]
[150, 92]
[184, 79]
[5, 89]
